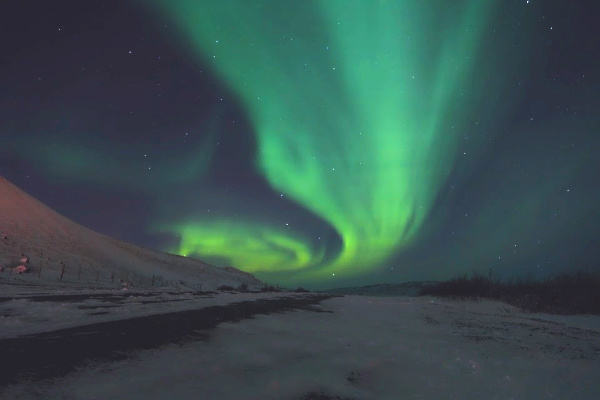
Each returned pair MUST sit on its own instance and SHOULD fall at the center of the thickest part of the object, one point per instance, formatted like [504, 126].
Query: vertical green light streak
[350, 101]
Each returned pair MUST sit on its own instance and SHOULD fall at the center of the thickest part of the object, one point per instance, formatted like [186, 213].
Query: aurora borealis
[365, 140]
[320, 142]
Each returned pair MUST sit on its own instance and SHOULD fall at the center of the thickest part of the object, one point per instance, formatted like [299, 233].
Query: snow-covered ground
[359, 348]
[49, 310]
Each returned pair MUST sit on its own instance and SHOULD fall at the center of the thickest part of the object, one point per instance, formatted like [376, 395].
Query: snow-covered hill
[57, 245]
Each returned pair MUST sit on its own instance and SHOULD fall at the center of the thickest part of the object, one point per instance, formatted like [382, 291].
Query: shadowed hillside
[566, 293]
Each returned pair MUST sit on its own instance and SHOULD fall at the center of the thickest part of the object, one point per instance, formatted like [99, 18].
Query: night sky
[325, 142]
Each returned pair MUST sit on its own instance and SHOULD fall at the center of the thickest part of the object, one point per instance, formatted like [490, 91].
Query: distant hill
[385, 289]
[32, 232]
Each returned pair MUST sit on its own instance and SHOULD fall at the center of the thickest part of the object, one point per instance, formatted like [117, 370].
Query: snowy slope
[52, 242]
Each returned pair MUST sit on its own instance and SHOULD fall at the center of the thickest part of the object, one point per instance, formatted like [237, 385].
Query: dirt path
[54, 354]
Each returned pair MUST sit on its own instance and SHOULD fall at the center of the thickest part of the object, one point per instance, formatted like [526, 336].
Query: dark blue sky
[107, 118]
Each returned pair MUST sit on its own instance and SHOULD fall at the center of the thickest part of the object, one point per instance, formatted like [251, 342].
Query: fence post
[62, 272]
[97, 276]
[112, 277]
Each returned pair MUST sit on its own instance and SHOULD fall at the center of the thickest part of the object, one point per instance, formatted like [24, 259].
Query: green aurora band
[360, 109]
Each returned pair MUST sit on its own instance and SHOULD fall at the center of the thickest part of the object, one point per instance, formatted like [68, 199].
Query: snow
[354, 347]
[30, 313]
[55, 249]
[358, 348]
